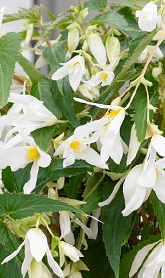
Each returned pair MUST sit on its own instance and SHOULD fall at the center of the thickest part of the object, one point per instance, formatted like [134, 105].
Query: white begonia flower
[36, 246]
[104, 77]
[97, 48]
[154, 263]
[90, 92]
[146, 53]
[28, 113]
[38, 270]
[146, 176]
[19, 156]
[68, 250]
[78, 148]
[106, 131]
[147, 17]
[75, 68]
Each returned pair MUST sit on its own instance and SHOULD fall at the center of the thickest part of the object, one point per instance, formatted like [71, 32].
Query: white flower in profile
[75, 68]
[97, 48]
[106, 131]
[146, 176]
[90, 92]
[22, 154]
[105, 77]
[36, 246]
[76, 147]
[147, 17]
[68, 250]
[154, 263]
[146, 53]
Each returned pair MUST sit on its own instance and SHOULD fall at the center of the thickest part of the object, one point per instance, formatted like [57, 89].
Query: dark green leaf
[93, 199]
[159, 210]
[18, 205]
[114, 230]
[32, 72]
[9, 47]
[95, 5]
[113, 18]
[43, 136]
[74, 185]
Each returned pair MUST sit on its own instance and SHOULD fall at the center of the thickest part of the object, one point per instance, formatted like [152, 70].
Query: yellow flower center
[77, 63]
[112, 114]
[75, 145]
[103, 76]
[32, 154]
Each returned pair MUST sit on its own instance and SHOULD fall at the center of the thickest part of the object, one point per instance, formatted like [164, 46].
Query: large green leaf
[95, 5]
[114, 230]
[140, 105]
[32, 72]
[9, 47]
[18, 205]
[42, 91]
[136, 47]
[159, 210]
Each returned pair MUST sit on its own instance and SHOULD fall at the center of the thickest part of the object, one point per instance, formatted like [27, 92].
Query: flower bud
[73, 37]
[97, 48]
[83, 13]
[112, 48]
[156, 71]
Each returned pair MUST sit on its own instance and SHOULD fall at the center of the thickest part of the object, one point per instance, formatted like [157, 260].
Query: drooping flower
[106, 131]
[38, 270]
[97, 48]
[22, 154]
[76, 147]
[147, 17]
[154, 263]
[36, 246]
[75, 68]
[68, 250]
[104, 77]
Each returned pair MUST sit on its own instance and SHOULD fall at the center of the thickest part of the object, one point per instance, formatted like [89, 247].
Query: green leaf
[9, 47]
[56, 170]
[18, 205]
[34, 14]
[136, 50]
[42, 91]
[95, 5]
[159, 210]
[140, 105]
[34, 75]
[114, 230]
[94, 198]
[74, 185]
[113, 18]
[43, 136]
[9, 180]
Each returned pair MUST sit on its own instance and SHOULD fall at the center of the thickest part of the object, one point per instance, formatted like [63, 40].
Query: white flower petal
[44, 159]
[96, 104]
[60, 73]
[38, 243]
[112, 147]
[98, 52]
[139, 258]
[159, 187]
[70, 251]
[158, 143]
[69, 160]
[45, 272]
[65, 225]
[69, 238]
[31, 184]
[53, 264]
[11, 256]
[134, 145]
[27, 260]
[94, 224]
[35, 269]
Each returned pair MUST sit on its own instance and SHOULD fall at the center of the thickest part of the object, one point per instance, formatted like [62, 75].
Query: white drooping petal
[60, 73]
[134, 145]
[13, 157]
[104, 77]
[11, 256]
[104, 106]
[147, 17]
[94, 224]
[69, 160]
[44, 159]
[35, 269]
[139, 258]
[31, 184]
[97, 48]
[158, 142]
[113, 194]
[45, 272]
[27, 260]
[38, 243]
[53, 264]
[65, 225]
[70, 251]
[159, 185]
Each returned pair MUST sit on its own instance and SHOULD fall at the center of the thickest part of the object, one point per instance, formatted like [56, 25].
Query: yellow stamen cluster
[75, 145]
[103, 76]
[33, 154]
[113, 113]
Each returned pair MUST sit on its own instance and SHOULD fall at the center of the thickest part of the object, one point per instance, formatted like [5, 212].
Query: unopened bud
[157, 71]
[83, 13]
[97, 48]
[73, 37]
[112, 48]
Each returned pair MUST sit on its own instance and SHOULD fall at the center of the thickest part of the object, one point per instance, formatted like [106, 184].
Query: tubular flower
[154, 263]
[19, 156]
[78, 148]
[36, 246]
[75, 68]
[106, 131]
[147, 17]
